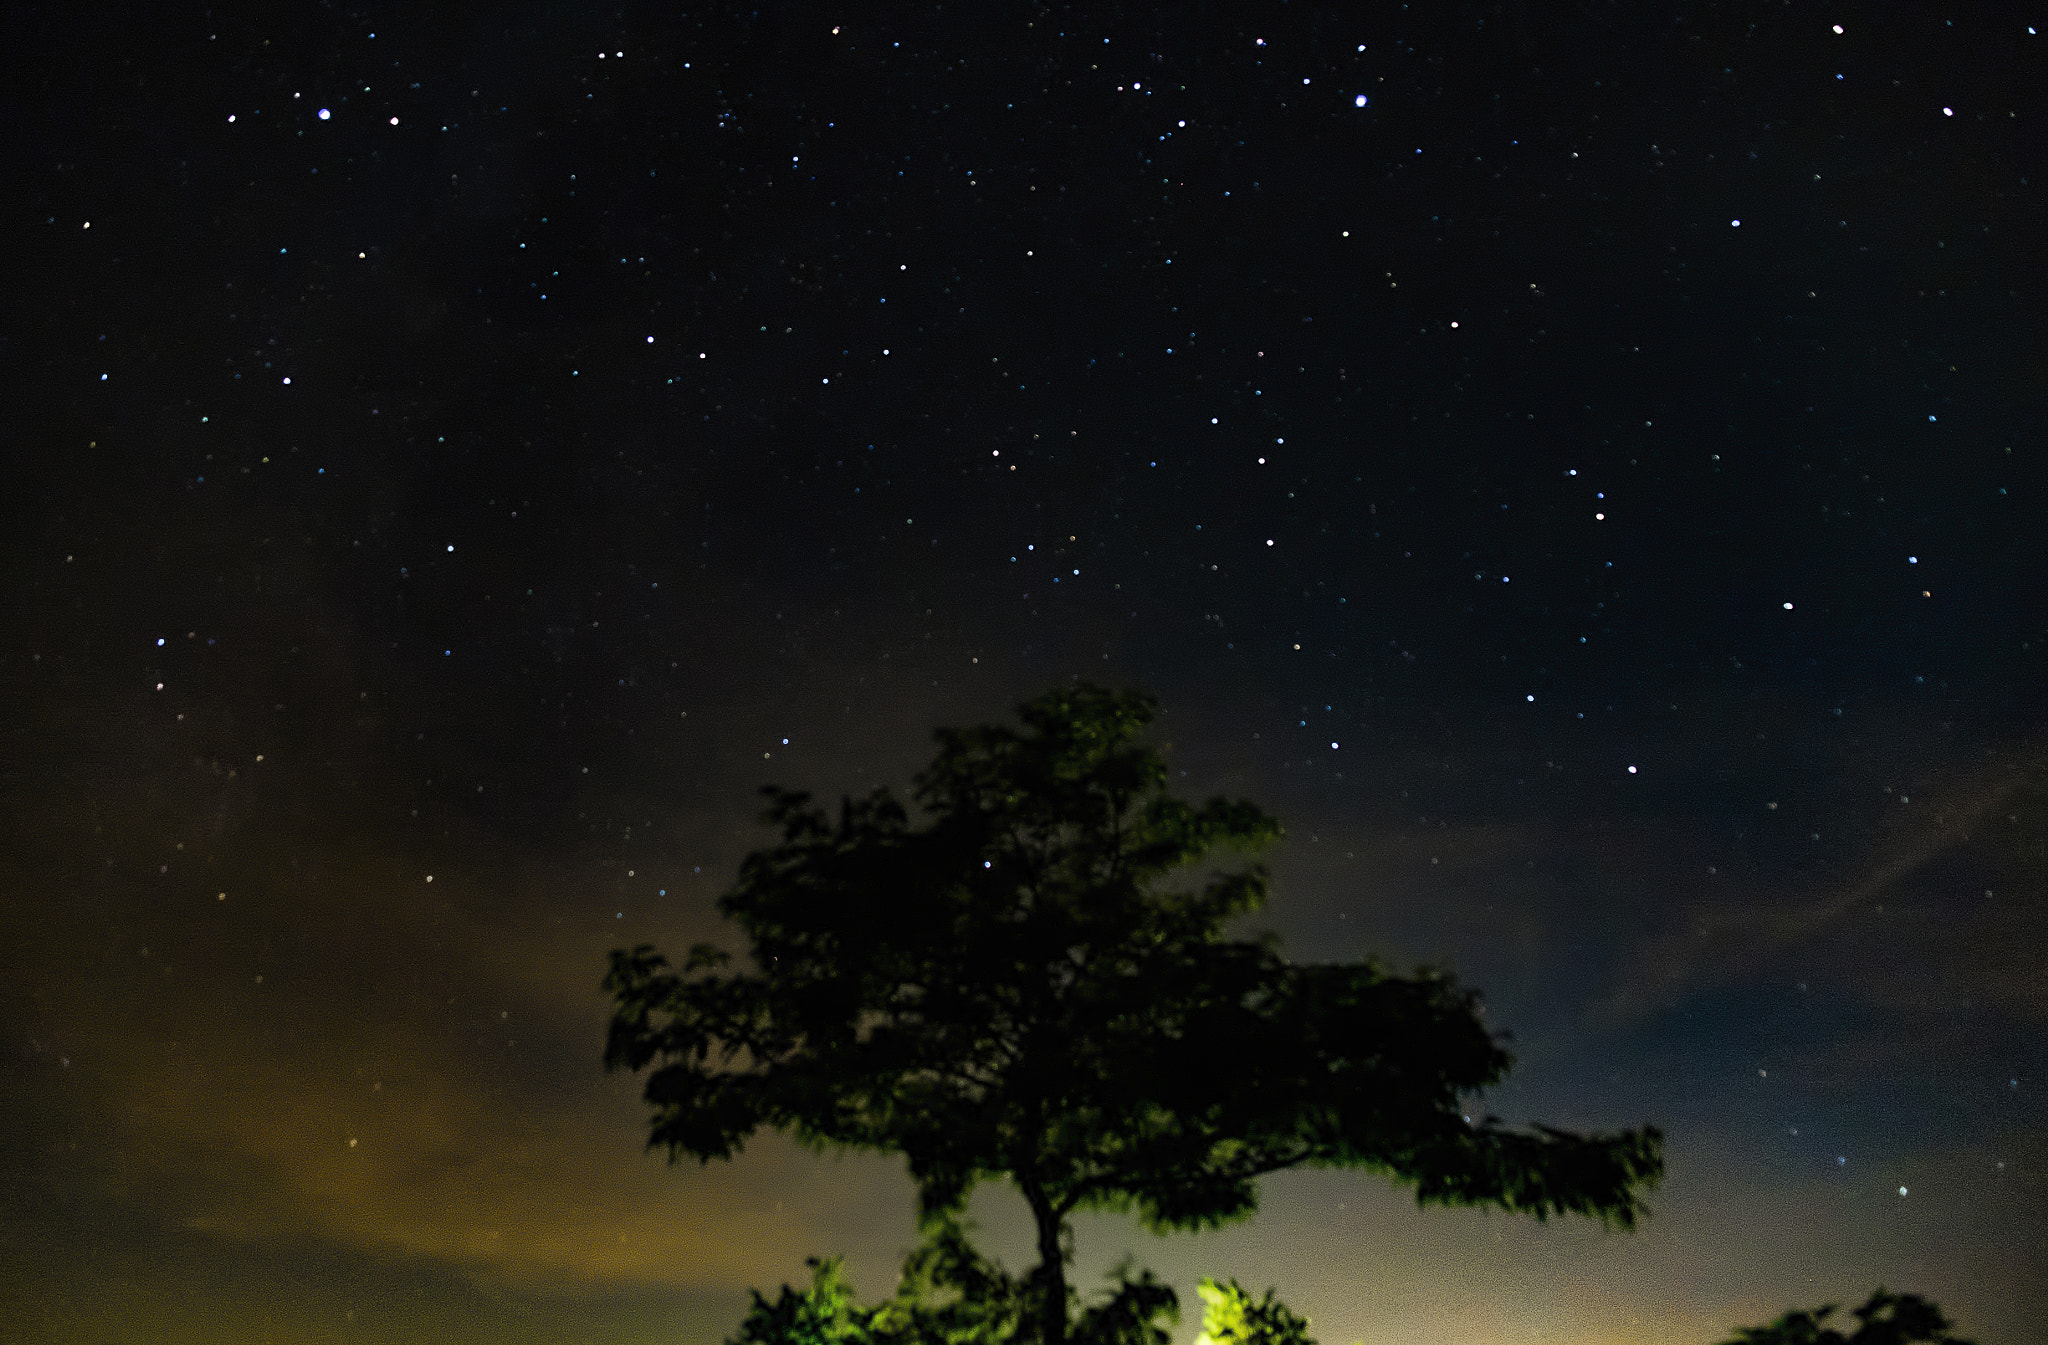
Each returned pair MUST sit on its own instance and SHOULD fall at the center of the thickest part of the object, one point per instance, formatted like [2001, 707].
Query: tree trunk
[1052, 1264]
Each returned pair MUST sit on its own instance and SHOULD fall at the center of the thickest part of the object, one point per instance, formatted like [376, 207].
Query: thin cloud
[1722, 942]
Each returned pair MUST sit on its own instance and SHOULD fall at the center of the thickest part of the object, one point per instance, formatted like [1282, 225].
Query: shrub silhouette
[1886, 1319]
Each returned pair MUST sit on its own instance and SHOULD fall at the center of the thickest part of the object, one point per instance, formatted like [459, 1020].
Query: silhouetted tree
[1013, 989]
[1886, 1319]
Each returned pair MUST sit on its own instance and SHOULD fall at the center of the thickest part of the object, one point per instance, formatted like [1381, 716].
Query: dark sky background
[1579, 465]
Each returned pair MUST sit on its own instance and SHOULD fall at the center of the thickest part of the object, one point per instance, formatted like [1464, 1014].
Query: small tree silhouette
[1887, 1319]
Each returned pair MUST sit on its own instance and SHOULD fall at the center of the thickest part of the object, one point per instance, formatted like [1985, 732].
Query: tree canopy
[1033, 982]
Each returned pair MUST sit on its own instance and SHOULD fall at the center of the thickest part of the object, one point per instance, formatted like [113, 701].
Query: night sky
[1580, 466]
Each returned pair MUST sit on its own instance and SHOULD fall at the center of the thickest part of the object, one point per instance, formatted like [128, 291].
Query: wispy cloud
[1717, 942]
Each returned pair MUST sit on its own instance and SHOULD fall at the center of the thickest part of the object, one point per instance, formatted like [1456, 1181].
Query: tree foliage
[1231, 1316]
[1886, 1319]
[949, 1294]
[1033, 982]
[824, 1314]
